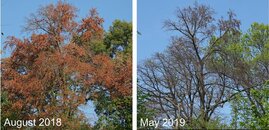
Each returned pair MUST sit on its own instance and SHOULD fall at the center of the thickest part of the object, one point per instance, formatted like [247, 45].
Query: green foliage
[248, 115]
[4, 102]
[143, 111]
[114, 113]
[4, 99]
[215, 123]
[119, 38]
[250, 109]
[257, 39]
[98, 47]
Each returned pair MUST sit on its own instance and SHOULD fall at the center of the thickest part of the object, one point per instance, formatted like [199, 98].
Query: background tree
[245, 111]
[252, 104]
[119, 38]
[143, 112]
[114, 104]
[50, 74]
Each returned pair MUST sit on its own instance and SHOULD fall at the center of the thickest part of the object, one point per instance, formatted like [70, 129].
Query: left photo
[66, 64]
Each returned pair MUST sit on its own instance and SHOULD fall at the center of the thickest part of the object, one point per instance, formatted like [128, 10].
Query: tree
[50, 74]
[143, 112]
[251, 106]
[119, 38]
[245, 111]
[182, 82]
[114, 104]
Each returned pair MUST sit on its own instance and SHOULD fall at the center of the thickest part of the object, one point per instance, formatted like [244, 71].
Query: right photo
[203, 64]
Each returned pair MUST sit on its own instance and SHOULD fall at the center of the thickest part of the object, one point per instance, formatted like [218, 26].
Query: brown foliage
[48, 75]
[115, 75]
[90, 27]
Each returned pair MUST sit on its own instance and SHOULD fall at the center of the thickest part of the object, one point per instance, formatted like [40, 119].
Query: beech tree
[209, 63]
[50, 74]
[182, 81]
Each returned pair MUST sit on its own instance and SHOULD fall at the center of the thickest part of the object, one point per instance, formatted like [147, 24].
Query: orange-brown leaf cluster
[115, 75]
[91, 27]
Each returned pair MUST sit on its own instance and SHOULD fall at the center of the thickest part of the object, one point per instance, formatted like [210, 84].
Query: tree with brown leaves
[50, 74]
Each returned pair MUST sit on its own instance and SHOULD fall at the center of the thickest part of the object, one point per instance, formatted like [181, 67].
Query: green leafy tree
[114, 108]
[114, 113]
[247, 115]
[250, 108]
[143, 112]
[119, 38]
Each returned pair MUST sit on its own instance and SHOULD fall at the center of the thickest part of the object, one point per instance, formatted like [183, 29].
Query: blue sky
[15, 12]
[152, 14]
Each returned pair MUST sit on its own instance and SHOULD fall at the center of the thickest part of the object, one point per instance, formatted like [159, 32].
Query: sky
[152, 14]
[15, 12]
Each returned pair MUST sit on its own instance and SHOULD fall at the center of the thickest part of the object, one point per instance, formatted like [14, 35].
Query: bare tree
[184, 82]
